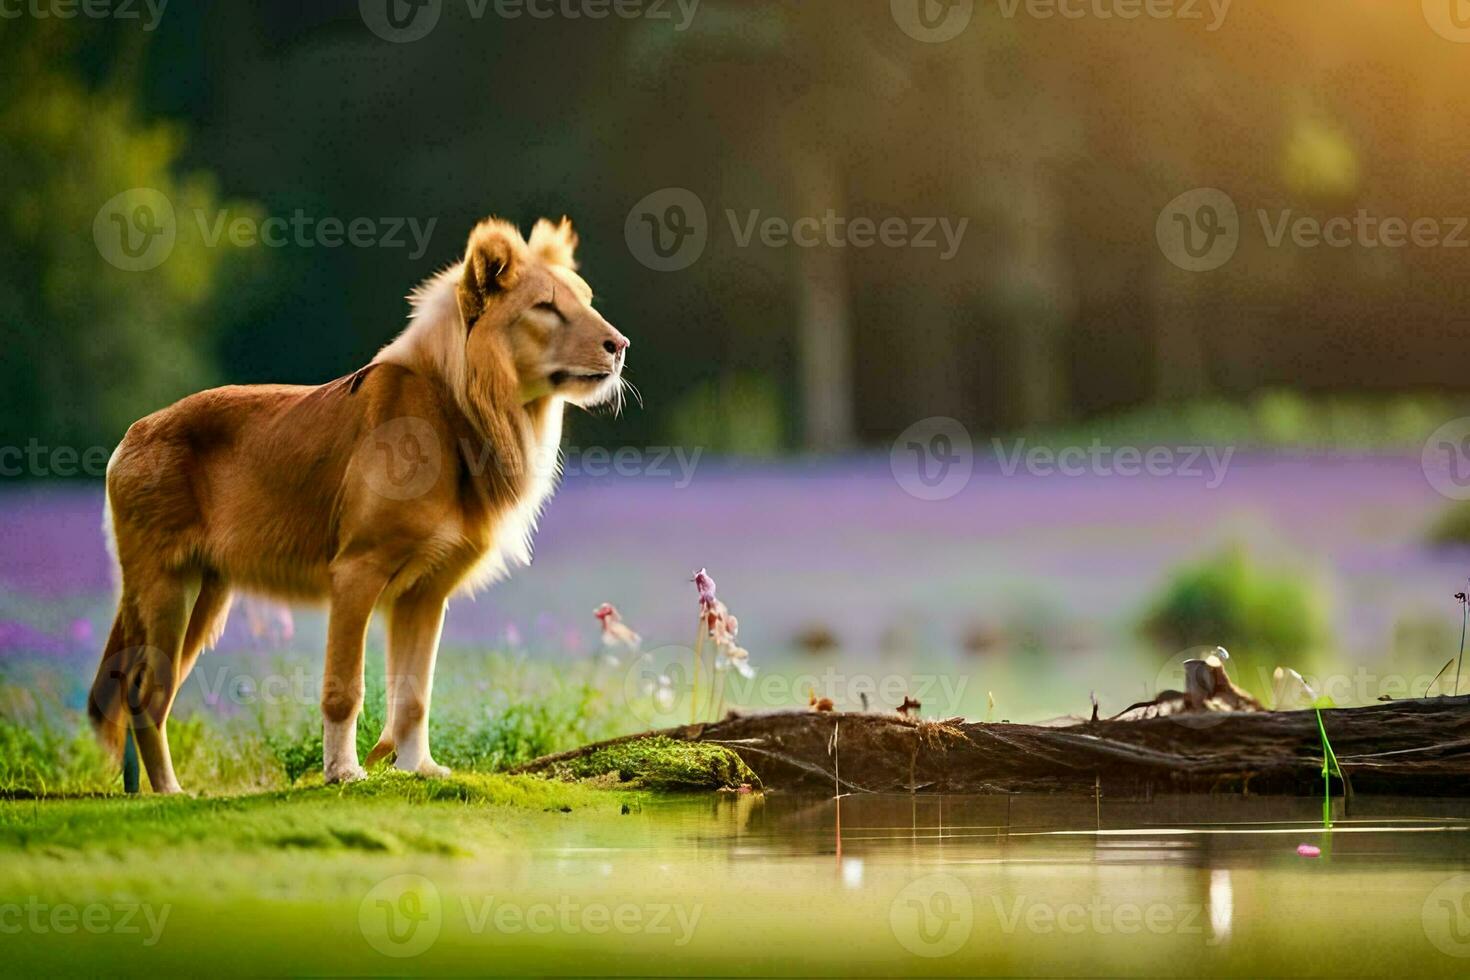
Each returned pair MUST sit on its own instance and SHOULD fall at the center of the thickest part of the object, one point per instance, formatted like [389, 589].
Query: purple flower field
[1052, 572]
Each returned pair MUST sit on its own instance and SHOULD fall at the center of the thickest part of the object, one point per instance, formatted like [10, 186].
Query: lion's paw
[345, 774]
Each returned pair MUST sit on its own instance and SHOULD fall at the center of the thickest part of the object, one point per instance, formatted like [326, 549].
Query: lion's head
[523, 301]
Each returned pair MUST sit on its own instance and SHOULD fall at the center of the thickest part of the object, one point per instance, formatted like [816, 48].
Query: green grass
[531, 710]
[390, 812]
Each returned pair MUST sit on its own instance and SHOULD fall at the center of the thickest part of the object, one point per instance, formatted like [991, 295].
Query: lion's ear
[555, 244]
[492, 263]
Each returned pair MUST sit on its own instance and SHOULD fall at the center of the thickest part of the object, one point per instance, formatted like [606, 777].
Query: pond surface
[983, 886]
[740, 885]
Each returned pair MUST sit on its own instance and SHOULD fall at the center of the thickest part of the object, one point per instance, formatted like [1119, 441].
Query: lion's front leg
[414, 623]
[356, 586]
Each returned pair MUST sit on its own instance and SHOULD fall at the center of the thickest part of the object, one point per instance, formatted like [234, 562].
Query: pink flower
[616, 635]
[1309, 850]
[706, 587]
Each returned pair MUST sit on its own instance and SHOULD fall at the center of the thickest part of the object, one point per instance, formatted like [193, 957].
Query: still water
[738, 885]
[977, 885]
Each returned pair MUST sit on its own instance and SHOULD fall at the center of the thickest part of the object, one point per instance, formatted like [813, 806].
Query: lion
[417, 477]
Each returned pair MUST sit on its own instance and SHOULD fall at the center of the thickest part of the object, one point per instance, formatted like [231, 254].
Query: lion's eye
[550, 307]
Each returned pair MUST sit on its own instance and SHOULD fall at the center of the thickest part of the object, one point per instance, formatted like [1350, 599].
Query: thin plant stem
[719, 698]
[837, 784]
[698, 669]
[1438, 676]
[1329, 765]
[1464, 617]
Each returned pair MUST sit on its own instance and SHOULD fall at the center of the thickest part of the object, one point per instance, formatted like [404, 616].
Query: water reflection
[1222, 904]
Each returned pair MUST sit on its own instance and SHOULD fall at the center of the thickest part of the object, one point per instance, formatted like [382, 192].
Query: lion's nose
[617, 345]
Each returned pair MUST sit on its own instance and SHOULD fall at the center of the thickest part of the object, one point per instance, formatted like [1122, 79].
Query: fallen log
[1412, 747]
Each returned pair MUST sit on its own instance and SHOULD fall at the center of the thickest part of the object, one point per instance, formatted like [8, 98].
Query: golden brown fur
[416, 476]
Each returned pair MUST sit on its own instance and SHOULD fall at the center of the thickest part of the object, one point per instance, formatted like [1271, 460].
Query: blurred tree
[92, 346]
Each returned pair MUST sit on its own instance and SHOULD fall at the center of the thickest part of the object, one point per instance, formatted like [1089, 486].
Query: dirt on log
[1418, 747]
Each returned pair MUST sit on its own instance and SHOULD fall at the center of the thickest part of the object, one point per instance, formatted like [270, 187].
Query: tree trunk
[1419, 747]
[824, 324]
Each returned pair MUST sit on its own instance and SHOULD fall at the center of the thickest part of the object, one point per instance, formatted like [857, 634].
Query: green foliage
[1229, 600]
[660, 763]
[1275, 419]
[737, 415]
[1452, 527]
[76, 323]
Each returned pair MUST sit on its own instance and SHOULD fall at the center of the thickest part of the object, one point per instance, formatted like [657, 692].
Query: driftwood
[1413, 747]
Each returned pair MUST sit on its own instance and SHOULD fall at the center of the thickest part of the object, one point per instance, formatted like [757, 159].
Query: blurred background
[881, 263]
